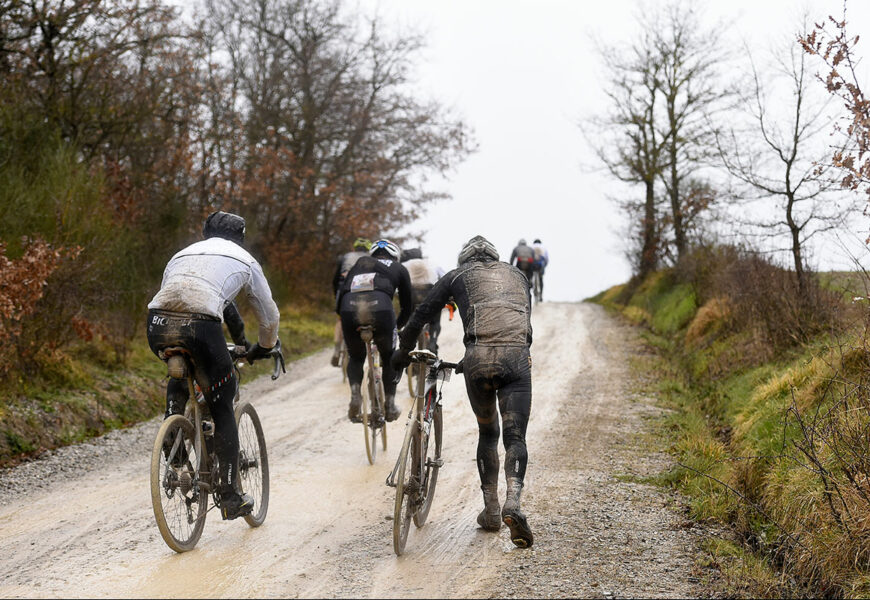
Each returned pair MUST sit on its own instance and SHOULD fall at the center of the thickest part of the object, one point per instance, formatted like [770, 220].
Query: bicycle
[374, 400]
[184, 465]
[415, 474]
[537, 285]
[415, 374]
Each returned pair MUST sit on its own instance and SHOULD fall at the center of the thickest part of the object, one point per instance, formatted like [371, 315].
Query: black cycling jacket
[380, 275]
[493, 301]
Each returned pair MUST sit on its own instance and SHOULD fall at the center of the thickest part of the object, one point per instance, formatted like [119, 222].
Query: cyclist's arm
[336, 277]
[406, 299]
[235, 324]
[260, 296]
[433, 304]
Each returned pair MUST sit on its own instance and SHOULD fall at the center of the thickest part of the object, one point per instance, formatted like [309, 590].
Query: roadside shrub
[762, 295]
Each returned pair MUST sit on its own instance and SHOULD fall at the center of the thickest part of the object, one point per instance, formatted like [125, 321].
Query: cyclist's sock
[355, 403]
[392, 410]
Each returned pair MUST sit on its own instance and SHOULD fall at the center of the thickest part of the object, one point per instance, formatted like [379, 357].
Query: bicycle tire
[430, 457]
[412, 380]
[179, 507]
[382, 403]
[253, 461]
[371, 449]
[404, 506]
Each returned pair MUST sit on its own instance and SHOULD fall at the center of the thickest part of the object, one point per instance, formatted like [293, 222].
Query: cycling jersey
[493, 301]
[205, 277]
[381, 275]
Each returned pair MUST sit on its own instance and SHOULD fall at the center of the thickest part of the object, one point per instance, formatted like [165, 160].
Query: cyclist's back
[423, 276]
[523, 258]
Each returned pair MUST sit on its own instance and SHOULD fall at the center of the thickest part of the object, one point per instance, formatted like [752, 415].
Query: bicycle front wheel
[253, 462]
[431, 462]
[407, 488]
[179, 503]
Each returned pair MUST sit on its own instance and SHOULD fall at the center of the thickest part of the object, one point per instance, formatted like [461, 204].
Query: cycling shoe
[521, 534]
[235, 505]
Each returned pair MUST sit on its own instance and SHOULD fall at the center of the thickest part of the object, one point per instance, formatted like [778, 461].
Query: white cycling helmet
[387, 246]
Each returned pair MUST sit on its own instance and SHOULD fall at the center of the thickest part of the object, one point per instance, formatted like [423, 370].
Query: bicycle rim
[371, 449]
[431, 455]
[405, 503]
[179, 505]
[253, 462]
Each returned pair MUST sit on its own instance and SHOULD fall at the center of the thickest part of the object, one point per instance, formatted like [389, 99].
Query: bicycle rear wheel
[407, 487]
[179, 504]
[366, 412]
[253, 462]
[412, 380]
[431, 455]
[382, 404]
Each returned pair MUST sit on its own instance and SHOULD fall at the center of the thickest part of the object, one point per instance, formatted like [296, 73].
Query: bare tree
[627, 141]
[781, 160]
[335, 140]
[689, 55]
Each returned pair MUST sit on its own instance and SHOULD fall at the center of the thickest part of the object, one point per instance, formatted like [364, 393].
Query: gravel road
[78, 521]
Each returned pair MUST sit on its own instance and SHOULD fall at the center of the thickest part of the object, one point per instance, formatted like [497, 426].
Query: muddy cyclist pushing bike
[494, 303]
[196, 297]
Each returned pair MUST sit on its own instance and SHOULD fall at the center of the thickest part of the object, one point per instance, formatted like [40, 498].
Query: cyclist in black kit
[493, 301]
[366, 298]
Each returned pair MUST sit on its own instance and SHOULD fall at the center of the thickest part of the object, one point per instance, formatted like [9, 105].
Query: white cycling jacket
[422, 272]
[206, 276]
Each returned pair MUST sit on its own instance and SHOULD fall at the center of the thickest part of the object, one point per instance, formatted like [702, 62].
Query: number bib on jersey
[364, 282]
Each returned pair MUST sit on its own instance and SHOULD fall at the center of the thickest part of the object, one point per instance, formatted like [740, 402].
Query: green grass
[732, 431]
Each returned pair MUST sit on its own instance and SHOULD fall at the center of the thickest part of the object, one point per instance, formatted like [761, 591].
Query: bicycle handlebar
[239, 353]
[430, 358]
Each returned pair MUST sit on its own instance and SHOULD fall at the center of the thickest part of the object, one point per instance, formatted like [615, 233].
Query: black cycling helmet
[224, 225]
[478, 248]
[411, 253]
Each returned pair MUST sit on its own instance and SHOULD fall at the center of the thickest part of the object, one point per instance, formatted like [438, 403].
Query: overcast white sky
[522, 73]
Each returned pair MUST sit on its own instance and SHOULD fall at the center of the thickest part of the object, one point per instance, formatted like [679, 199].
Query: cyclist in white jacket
[196, 296]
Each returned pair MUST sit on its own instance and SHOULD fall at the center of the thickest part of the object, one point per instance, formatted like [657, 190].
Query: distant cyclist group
[493, 297]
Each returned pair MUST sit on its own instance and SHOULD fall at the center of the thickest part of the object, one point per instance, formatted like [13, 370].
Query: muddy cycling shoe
[355, 404]
[489, 521]
[393, 411]
[334, 360]
[490, 517]
[235, 505]
[521, 534]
